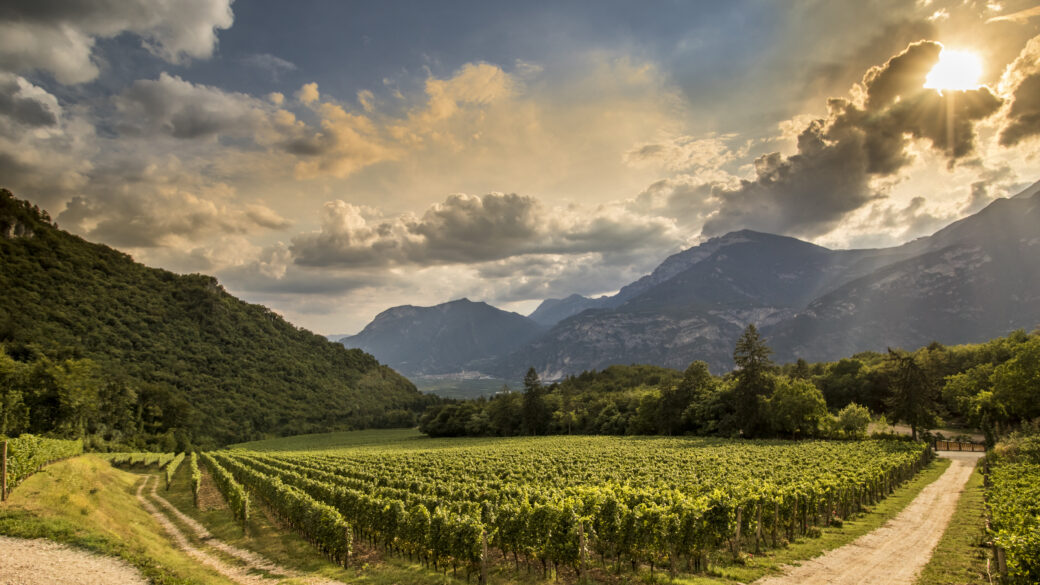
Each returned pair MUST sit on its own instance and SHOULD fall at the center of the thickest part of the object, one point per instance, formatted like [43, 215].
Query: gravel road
[895, 553]
[42, 562]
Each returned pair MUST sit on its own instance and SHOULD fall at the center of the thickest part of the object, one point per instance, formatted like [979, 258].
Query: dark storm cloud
[809, 193]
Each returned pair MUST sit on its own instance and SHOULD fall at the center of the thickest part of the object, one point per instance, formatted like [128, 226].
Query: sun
[956, 70]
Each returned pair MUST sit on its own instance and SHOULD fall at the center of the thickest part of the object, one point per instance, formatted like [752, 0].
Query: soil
[42, 562]
[895, 553]
[209, 495]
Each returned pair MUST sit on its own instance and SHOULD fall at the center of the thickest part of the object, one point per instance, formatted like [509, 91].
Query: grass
[960, 557]
[86, 503]
[340, 440]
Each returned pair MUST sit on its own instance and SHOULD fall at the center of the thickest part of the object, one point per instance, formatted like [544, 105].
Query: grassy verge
[335, 440]
[772, 561]
[86, 503]
[960, 558]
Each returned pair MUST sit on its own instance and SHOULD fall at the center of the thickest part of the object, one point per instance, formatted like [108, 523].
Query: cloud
[24, 106]
[272, 64]
[181, 109]
[1021, 81]
[467, 229]
[45, 149]
[161, 203]
[841, 160]
[686, 152]
[59, 37]
[1020, 16]
[474, 83]
[308, 93]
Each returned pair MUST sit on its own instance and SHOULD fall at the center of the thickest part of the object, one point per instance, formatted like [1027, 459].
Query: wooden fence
[958, 446]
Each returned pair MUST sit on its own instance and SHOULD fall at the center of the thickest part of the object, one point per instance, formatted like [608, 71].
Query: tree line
[984, 386]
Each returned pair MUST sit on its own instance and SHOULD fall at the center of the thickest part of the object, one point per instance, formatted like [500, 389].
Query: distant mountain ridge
[975, 279]
[446, 338]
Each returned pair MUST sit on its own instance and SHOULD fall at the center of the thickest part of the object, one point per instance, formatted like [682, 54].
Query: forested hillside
[96, 344]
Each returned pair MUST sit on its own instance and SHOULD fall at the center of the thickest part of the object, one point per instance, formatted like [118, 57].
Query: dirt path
[238, 574]
[42, 562]
[897, 551]
[244, 574]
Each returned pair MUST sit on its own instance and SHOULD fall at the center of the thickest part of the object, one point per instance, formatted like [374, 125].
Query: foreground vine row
[28, 453]
[1013, 503]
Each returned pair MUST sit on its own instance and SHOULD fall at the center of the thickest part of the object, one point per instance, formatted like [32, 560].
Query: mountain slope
[552, 311]
[446, 338]
[975, 279]
[205, 363]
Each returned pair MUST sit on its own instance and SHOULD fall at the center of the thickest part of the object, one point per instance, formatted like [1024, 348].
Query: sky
[333, 158]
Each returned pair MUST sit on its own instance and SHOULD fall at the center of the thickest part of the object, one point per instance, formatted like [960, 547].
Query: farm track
[895, 553]
[247, 563]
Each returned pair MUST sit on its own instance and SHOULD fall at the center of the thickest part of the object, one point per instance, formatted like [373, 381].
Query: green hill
[176, 354]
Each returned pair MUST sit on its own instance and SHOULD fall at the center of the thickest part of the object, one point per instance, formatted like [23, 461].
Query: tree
[505, 412]
[694, 387]
[751, 355]
[853, 420]
[912, 395]
[1016, 381]
[796, 408]
[536, 413]
[13, 413]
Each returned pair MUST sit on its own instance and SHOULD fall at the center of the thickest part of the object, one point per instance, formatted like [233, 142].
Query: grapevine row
[171, 468]
[27, 454]
[318, 522]
[233, 491]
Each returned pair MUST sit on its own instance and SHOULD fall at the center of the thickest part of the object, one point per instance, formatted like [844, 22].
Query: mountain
[196, 361]
[976, 279]
[447, 338]
[973, 280]
[552, 311]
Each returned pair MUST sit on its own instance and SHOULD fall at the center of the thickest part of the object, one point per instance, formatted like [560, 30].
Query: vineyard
[1013, 502]
[165, 462]
[566, 505]
[27, 454]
